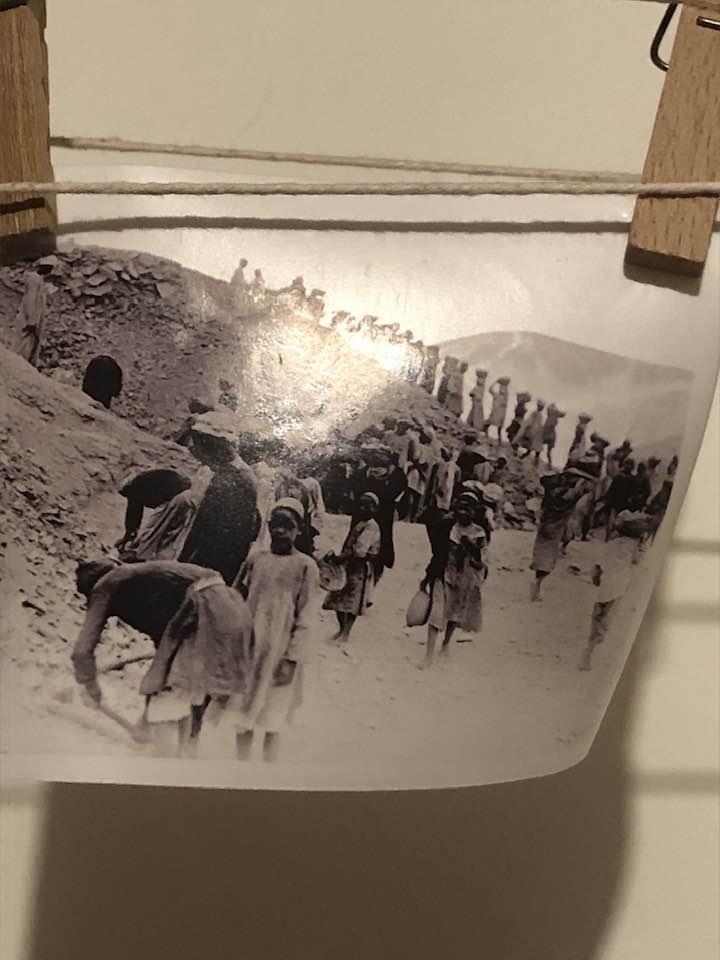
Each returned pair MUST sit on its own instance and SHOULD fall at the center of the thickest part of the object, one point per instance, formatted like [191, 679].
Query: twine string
[519, 187]
[516, 181]
[118, 145]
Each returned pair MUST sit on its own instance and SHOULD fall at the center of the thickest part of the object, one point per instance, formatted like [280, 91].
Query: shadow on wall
[522, 871]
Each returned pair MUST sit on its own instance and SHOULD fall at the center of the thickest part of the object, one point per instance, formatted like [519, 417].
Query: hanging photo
[334, 493]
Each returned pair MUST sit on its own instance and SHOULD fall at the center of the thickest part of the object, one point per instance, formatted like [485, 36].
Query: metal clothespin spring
[707, 22]
[663, 29]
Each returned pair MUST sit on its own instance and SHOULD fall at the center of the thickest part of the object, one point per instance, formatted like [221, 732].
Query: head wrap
[493, 493]
[289, 503]
[474, 487]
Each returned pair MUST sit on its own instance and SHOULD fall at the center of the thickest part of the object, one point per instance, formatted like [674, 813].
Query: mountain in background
[627, 398]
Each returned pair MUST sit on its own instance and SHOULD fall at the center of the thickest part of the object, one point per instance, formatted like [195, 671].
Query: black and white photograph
[349, 505]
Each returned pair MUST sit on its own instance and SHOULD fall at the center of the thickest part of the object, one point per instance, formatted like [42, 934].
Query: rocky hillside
[61, 459]
[161, 323]
[178, 334]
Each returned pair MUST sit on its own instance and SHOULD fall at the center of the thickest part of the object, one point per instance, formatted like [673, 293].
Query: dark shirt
[226, 524]
[387, 489]
[559, 499]
[639, 493]
[467, 460]
[620, 491]
[439, 536]
[146, 596]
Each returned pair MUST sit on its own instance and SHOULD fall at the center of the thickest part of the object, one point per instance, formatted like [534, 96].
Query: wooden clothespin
[27, 224]
[668, 233]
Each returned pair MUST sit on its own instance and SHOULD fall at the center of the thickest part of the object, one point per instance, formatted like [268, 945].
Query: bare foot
[585, 663]
[424, 664]
[189, 749]
[141, 733]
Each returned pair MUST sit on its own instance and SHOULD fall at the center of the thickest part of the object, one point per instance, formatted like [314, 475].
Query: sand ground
[515, 687]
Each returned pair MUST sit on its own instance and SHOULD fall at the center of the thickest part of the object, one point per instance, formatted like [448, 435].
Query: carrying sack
[632, 524]
[284, 672]
[418, 611]
[333, 575]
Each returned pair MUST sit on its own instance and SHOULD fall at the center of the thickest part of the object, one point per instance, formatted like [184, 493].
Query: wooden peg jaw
[27, 224]
[667, 233]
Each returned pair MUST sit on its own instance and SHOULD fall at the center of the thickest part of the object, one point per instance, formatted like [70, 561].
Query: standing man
[382, 477]
[549, 438]
[476, 417]
[579, 444]
[612, 576]
[561, 493]
[428, 373]
[654, 476]
[619, 493]
[418, 475]
[401, 442]
[455, 575]
[617, 458]
[469, 456]
[530, 436]
[641, 488]
[456, 389]
[227, 520]
[499, 391]
[448, 478]
[30, 319]
[449, 364]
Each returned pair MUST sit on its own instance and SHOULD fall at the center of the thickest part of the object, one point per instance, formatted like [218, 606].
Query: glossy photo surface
[326, 507]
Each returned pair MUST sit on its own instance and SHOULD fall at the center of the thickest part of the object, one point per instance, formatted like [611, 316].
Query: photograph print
[313, 507]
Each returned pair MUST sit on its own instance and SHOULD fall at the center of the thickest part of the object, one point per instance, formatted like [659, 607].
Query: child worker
[612, 577]
[455, 574]
[277, 584]
[360, 555]
[561, 492]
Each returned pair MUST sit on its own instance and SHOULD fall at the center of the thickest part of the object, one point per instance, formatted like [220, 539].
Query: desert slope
[61, 459]
[177, 333]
